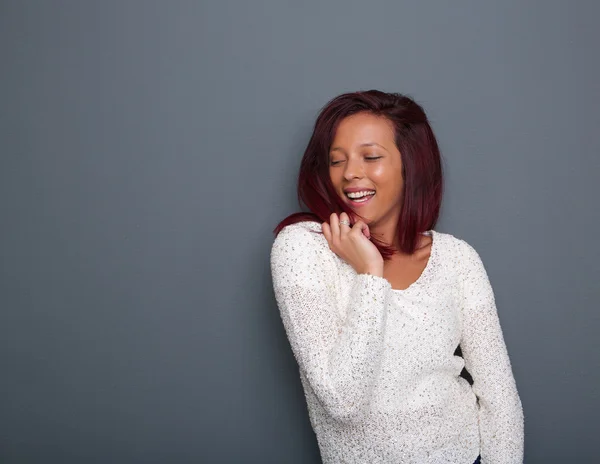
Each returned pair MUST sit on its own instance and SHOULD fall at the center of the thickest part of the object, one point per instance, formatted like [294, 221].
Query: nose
[354, 169]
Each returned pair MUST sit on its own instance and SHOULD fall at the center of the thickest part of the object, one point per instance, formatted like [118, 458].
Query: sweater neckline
[428, 267]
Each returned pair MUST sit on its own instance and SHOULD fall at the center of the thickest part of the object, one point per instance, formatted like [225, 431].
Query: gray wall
[149, 148]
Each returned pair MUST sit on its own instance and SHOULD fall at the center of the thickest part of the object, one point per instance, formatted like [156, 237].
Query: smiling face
[364, 158]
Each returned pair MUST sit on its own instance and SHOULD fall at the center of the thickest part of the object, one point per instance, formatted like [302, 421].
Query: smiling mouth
[359, 200]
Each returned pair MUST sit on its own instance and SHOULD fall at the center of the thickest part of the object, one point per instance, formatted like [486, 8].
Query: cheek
[384, 178]
[334, 179]
[337, 182]
[380, 174]
[388, 183]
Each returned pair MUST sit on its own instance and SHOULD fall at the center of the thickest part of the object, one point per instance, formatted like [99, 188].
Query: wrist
[373, 270]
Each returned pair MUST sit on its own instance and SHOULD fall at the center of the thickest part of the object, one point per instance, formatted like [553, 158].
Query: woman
[375, 301]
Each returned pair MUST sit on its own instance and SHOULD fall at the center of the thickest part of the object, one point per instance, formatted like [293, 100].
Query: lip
[357, 204]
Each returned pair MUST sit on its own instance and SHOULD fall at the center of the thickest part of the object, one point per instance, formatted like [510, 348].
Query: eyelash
[371, 158]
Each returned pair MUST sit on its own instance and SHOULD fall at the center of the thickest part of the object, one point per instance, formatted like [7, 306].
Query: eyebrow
[368, 144]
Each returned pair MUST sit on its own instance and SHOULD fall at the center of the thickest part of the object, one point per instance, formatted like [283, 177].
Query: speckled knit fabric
[377, 365]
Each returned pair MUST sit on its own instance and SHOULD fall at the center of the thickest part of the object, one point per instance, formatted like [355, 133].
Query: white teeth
[359, 194]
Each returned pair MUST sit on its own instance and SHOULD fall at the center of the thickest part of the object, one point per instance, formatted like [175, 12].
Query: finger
[344, 227]
[334, 224]
[363, 228]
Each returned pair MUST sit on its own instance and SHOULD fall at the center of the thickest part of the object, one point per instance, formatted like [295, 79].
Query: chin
[366, 219]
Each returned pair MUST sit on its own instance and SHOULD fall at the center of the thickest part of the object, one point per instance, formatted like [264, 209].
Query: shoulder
[300, 234]
[455, 245]
[300, 253]
[472, 272]
[458, 252]
[301, 240]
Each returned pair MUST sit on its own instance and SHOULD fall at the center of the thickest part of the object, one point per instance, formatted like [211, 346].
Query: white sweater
[377, 364]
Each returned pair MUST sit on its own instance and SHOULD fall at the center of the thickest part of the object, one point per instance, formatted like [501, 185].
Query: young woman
[376, 303]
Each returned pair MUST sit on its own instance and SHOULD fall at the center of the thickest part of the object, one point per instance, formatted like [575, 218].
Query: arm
[501, 420]
[340, 356]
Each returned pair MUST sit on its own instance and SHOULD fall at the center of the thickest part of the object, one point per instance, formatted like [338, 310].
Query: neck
[385, 230]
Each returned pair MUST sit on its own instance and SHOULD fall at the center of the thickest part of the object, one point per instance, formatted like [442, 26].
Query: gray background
[148, 150]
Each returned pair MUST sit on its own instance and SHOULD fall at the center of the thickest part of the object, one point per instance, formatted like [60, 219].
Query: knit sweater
[377, 364]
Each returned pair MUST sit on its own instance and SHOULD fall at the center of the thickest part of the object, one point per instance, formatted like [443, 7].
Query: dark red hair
[421, 165]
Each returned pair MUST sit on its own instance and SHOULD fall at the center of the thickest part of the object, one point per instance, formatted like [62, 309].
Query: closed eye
[370, 158]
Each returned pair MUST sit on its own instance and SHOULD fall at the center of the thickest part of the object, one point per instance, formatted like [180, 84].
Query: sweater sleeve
[501, 420]
[340, 356]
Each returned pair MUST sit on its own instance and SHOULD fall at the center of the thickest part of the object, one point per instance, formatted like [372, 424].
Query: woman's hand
[352, 244]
